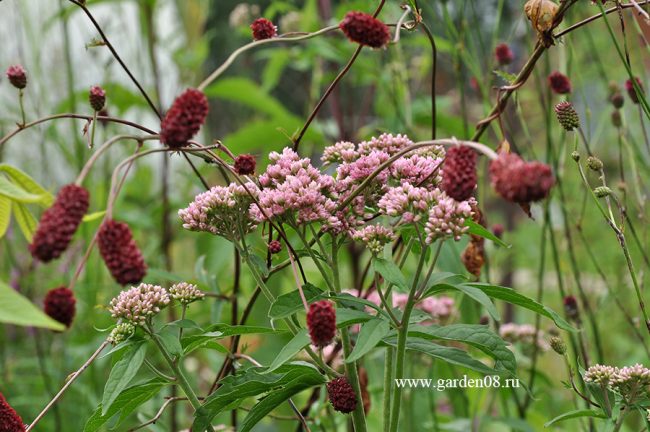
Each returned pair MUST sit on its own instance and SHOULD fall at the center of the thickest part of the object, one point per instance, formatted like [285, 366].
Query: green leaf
[575, 414]
[389, 271]
[91, 217]
[290, 303]
[252, 382]
[125, 403]
[259, 264]
[122, 374]
[169, 338]
[247, 92]
[18, 310]
[16, 193]
[371, 333]
[219, 331]
[5, 215]
[277, 397]
[28, 184]
[477, 336]
[511, 296]
[346, 317]
[471, 292]
[507, 77]
[26, 221]
[448, 354]
[297, 343]
[479, 230]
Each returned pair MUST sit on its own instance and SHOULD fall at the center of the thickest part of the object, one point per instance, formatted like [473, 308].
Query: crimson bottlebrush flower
[321, 322]
[184, 118]
[567, 115]
[17, 76]
[459, 173]
[631, 91]
[275, 246]
[570, 306]
[559, 83]
[10, 421]
[59, 223]
[120, 253]
[263, 29]
[341, 395]
[97, 98]
[245, 164]
[519, 181]
[365, 29]
[60, 305]
[504, 54]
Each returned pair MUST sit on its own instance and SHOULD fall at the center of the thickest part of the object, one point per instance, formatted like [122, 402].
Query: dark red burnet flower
[341, 395]
[321, 322]
[519, 181]
[459, 172]
[275, 247]
[365, 29]
[571, 306]
[17, 76]
[263, 29]
[97, 98]
[60, 305]
[120, 252]
[559, 83]
[184, 118]
[631, 91]
[497, 230]
[504, 54]
[10, 421]
[245, 164]
[59, 223]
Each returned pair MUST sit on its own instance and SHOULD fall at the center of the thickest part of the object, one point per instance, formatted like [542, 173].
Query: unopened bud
[594, 163]
[617, 99]
[602, 191]
[575, 155]
[558, 345]
[617, 120]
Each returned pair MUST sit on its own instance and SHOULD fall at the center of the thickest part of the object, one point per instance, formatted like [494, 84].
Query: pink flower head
[407, 202]
[447, 217]
[341, 151]
[375, 237]
[385, 142]
[417, 169]
[139, 304]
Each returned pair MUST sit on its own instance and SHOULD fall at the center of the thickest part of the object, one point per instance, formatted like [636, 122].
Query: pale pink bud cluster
[406, 202]
[417, 169]
[387, 143]
[121, 332]
[631, 382]
[222, 211]
[293, 189]
[374, 237]
[600, 374]
[447, 217]
[340, 152]
[185, 293]
[440, 308]
[524, 334]
[139, 303]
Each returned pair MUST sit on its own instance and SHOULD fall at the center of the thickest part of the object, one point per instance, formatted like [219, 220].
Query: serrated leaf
[125, 403]
[28, 184]
[17, 193]
[371, 333]
[575, 414]
[122, 373]
[18, 310]
[293, 347]
[26, 221]
[5, 215]
[390, 272]
[290, 303]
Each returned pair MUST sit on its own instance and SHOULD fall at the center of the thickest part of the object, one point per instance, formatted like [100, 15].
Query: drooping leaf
[28, 184]
[122, 374]
[471, 292]
[371, 333]
[293, 347]
[125, 403]
[253, 382]
[18, 310]
[575, 414]
[290, 303]
[11, 190]
[5, 215]
[26, 221]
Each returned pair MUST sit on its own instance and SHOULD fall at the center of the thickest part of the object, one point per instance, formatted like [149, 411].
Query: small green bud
[558, 345]
[602, 191]
[594, 163]
[575, 155]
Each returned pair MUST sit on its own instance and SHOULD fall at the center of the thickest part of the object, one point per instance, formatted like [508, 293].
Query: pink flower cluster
[375, 237]
[223, 210]
[139, 304]
[524, 334]
[631, 382]
[440, 308]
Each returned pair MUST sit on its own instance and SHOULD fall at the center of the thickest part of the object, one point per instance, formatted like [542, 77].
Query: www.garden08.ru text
[489, 381]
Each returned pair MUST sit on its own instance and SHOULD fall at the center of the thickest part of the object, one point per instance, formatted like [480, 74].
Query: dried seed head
[473, 258]
[541, 14]
[594, 163]
[519, 181]
[365, 29]
[263, 29]
[567, 115]
[341, 395]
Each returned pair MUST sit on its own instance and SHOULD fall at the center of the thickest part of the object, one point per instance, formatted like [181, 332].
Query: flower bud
[97, 98]
[17, 76]
[575, 156]
[602, 191]
[594, 163]
[617, 99]
[567, 115]
[341, 395]
[617, 119]
[558, 345]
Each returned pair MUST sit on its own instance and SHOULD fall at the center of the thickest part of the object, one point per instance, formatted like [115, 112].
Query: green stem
[388, 385]
[22, 107]
[178, 373]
